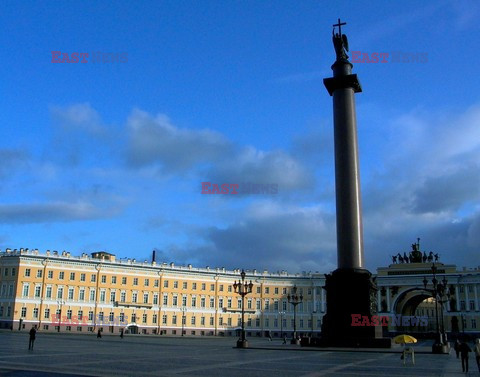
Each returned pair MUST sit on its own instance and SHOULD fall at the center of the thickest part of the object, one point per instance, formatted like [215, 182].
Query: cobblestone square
[85, 355]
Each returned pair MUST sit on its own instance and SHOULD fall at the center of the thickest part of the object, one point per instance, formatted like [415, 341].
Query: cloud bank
[425, 184]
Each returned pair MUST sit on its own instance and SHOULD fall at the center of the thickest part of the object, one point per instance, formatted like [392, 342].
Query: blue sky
[111, 156]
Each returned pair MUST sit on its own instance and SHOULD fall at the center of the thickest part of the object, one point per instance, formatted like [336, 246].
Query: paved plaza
[136, 355]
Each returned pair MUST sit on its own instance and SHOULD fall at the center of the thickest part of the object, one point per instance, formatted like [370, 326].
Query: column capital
[342, 82]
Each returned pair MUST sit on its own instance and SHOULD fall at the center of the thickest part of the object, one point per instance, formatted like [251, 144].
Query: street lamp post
[439, 288]
[20, 322]
[243, 288]
[313, 312]
[444, 296]
[60, 303]
[184, 309]
[294, 299]
[281, 323]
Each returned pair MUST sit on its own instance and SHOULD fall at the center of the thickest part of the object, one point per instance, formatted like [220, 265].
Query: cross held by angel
[340, 41]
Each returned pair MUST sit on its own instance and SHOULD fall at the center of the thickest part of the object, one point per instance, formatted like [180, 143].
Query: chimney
[153, 256]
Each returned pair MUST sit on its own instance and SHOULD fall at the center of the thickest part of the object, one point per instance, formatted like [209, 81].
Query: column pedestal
[351, 291]
[242, 343]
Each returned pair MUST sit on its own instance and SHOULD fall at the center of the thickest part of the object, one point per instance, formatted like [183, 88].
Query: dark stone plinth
[441, 348]
[306, 341]
[351, 291]
[242, 343]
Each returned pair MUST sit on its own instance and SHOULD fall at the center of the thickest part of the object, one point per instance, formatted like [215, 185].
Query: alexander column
[350, 289]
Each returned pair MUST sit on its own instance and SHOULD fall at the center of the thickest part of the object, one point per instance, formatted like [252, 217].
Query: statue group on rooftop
[415, 256]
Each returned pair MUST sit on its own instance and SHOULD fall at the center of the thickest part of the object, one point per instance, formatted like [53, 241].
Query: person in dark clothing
[121, 333]
[464, 350]
[456, 347]
[476, 350]
[99, 334]
[32, 333]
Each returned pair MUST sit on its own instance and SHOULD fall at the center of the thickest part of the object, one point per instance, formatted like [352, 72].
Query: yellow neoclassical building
[59, 292]
[56, 291]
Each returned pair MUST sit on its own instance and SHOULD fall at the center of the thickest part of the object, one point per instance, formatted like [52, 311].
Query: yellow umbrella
[404, 338]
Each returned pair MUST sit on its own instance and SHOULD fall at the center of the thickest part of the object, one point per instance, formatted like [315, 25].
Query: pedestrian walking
[99, 334]
[284, 339]
[456, 347]
[408, 351]
[121, 333]
[464, 350]
[32, 333]
[477, 353]
[270, 336]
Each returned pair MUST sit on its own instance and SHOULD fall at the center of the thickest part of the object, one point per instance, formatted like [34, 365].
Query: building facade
[86, 293]
[407, 289]
[60, 292]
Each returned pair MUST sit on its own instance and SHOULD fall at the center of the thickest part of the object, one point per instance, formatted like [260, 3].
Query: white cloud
[11, 160]
[429, 187]
[53, 212]
[267, 236]
[466, 13]
[156, 141]
[79, 117]
[80, 137]
[252, 165]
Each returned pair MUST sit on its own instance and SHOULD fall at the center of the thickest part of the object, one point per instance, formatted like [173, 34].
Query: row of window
[6, 291]
[471, 305]
[194, 301]
[122, 318]
[463, 307]
[462, 288]
[102, 319]
[79, 317]
[82, 294]
[12, 271]
[146, 282]
[93, 277]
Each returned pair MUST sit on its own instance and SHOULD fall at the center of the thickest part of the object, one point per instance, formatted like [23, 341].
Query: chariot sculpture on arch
[416, 256]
